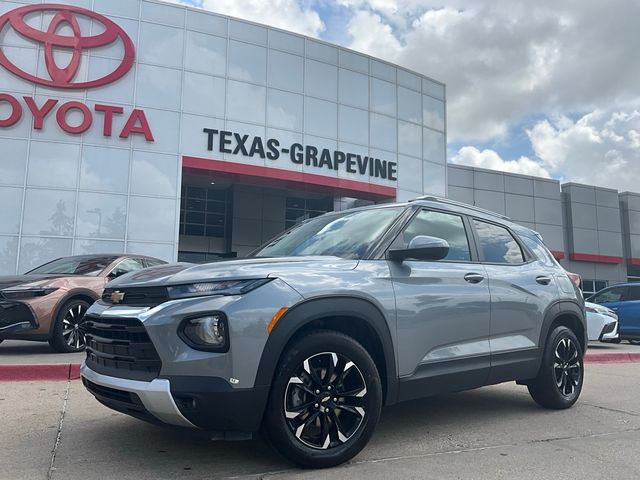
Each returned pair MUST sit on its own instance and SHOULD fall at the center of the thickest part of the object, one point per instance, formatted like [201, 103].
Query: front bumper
[154, 397]
[16, 318]
[609, 332]
[208, 403]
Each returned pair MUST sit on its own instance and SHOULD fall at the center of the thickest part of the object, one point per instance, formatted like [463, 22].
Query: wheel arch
[356, 317]
[87, 295]
[569, 314]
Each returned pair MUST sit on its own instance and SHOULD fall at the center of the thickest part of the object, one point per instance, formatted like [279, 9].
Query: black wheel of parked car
[325, 400]
[68, 330]
[559, 382]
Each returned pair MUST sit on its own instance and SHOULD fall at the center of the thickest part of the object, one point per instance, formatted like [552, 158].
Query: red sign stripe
[588, 257]
[342, 185]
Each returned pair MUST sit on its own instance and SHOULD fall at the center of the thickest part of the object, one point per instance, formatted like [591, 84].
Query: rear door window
[497, 244]
[633, 293]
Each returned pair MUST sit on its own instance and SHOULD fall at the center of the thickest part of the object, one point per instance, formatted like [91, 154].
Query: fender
[562, 307]
[85, 292]
[317, 308]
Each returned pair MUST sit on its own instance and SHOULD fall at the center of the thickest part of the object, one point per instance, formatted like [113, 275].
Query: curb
[30, 373]
[71, 371]
[618, 357]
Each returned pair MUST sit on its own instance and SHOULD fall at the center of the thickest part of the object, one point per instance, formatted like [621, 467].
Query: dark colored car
[48, 303]
[624, 299]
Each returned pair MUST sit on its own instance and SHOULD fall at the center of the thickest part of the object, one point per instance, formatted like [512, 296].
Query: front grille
[137, 296]
[121, 347]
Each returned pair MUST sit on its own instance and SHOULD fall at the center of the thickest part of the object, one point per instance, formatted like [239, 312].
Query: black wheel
[559, 382]
[634, 342]
[68, 330]
[325, 401]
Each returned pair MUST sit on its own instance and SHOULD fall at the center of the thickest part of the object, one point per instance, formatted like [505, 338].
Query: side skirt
[445, 377]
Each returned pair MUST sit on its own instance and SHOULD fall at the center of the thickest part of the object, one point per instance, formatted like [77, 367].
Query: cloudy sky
[537, 87]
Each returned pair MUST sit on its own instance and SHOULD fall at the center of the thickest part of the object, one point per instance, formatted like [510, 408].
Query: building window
[589, 287]
[299, 209]
[204, 212]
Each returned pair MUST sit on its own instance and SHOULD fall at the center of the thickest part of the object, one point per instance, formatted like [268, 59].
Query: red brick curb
[618, 357]
[30, 373]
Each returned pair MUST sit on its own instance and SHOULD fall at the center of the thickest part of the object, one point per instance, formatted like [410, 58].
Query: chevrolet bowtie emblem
[117, 297]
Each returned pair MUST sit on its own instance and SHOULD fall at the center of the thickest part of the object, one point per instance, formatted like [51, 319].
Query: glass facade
[66, 193]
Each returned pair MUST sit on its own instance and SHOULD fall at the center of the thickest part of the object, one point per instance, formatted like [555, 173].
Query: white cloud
[505, 59]
[490, 159]
[369, 33]
[600, 148]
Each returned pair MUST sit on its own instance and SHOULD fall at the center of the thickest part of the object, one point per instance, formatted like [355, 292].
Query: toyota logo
[76, 44]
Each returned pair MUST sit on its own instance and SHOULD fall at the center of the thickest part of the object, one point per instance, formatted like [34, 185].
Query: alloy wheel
[325, 400]
[73, 326]
[567, 367]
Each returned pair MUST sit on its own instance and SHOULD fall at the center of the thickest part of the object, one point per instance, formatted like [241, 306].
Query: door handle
[543, 280]
[473, 277]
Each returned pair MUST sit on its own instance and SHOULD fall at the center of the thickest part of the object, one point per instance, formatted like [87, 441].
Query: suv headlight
[206, 332]
[224, 287]
[23, 293]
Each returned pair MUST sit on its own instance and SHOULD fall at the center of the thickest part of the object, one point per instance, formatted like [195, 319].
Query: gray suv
[320, 328]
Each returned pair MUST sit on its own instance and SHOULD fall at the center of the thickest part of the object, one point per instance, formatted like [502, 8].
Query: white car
[602, 323]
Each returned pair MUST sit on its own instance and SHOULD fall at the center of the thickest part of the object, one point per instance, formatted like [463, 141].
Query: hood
[13, 280]
[594, 307]
[182, 273]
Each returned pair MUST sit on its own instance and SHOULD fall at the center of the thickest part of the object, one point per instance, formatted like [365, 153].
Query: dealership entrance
[224, 215]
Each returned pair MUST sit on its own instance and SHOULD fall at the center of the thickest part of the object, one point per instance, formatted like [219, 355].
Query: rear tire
[68, 330]
[559, 381]
[325, 400]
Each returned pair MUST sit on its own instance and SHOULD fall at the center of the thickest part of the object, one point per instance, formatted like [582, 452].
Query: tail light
[576, 279]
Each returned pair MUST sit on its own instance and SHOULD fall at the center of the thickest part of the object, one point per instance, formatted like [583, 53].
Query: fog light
[206, 333]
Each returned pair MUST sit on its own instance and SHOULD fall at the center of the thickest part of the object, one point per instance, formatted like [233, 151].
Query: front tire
[325, 400]
[68, 330]
[559, 382]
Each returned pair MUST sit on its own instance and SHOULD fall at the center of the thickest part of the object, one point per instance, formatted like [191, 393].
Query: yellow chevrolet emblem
[117, 297]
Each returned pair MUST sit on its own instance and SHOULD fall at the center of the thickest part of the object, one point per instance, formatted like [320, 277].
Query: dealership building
[146, 127]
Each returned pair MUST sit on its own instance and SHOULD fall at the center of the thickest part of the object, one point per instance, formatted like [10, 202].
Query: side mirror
[118, 272]
[422, 247]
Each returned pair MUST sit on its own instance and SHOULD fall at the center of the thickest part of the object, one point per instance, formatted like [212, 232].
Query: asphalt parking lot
[57, 430]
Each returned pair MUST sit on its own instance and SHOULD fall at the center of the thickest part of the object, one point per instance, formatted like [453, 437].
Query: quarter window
[440, 225]
[497, 244]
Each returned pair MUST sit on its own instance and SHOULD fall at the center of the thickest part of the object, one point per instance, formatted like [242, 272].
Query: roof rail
[433, 198]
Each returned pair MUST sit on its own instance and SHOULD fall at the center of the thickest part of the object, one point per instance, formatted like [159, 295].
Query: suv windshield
[347, 235]
[75, 266]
